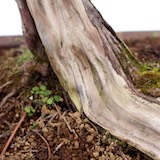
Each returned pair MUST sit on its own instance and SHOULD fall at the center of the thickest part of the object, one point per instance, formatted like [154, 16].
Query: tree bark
[94, 67]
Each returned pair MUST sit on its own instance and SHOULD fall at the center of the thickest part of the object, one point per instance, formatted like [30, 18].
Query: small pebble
[49, 138]
[89, 138]
[111, 156]
[26, 147]
[96, 154]
[103, 157]
[31, 139]
[81, 126]
[76, 144]
[27, 143]
[17, 115]
[87, 127]
[44, 130]
[98, 148]
[7, 153]
[78, 120]
[77, 114]
[55, 157]
[33, 144]
[18, 145]
[91, 130]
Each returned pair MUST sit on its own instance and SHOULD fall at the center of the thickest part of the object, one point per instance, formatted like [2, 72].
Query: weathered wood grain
[89, 61]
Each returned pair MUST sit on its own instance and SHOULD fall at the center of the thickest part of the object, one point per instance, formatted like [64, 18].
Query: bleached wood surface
[87, 58]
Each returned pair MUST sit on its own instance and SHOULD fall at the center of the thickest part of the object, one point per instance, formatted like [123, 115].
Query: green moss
[129, 56]
[147, 74]
[25, 57]
[132, 58]
[149, 80]
[149, 67]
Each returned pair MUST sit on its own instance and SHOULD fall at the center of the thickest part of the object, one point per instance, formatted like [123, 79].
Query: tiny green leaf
[50, 100]
[41, 92]
[47, 93]
[30, 114]
[43, 88]
[32, 92]
[57, 98]
[36, 92]
[27, 109]
[33, 110]
[36, 88]
[41, 96]
[44, 100]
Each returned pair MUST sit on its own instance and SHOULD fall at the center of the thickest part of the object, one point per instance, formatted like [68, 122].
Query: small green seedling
[30, 110]
[41, 91]
[45, 99]
[41, 96]
[43, 88]
[44, 95]
[57, 98]
[50, 101]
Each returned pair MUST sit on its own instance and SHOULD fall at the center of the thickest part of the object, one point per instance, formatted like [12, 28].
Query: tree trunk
[94, 66]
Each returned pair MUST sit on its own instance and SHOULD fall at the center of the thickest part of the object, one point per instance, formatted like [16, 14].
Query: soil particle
[76, 145]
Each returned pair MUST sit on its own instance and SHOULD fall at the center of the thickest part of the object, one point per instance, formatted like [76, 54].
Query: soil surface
[146, 50]
[53, 129]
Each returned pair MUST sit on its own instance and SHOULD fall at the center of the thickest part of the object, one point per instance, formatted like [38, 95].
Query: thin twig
[64, 113]
[12, 135]
[58, 110]
[64, 141]
[53, 124]
[29, 150]
[4, 85]
[69, 127]
[5, 99]
[48, 147]
[58, 147]
[52, 116]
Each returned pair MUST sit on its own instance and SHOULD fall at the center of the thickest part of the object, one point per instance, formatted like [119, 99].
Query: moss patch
[149, 80]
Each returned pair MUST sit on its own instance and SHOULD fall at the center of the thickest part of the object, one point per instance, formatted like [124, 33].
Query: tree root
[5, 99]
[12, 135]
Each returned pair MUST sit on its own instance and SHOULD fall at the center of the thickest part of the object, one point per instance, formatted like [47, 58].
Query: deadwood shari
[87, 57]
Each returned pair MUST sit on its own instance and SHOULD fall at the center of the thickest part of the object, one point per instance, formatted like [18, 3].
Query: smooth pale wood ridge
[83, 53]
